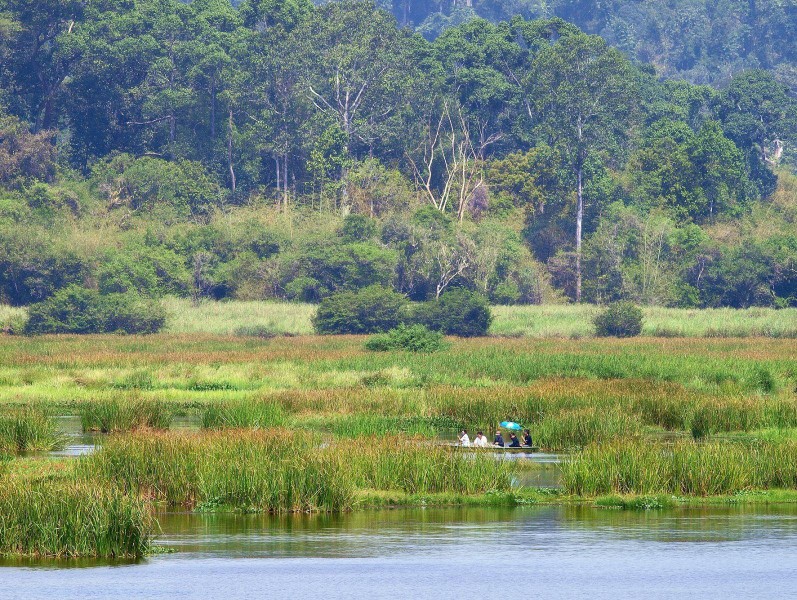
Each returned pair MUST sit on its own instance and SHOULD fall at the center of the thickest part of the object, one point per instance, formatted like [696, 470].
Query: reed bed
[124, 414]
[244, 413]
[72, 519]
[683, 468]
[28, 430]
[273, 470]
[581, 427]
[409, 466]
[365, 425]
[282, 471]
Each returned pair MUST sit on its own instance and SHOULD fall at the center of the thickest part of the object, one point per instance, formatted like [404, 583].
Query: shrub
[371, 310]
[621, 319]
[413, 338]
[130, 313]
[358, 228]
[78, 310]
[457, 312]
[71, 310]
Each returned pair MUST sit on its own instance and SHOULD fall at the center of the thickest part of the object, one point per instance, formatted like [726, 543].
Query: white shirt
[480, 441]
[464, 440]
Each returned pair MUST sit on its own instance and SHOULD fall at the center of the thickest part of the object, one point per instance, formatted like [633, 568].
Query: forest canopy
[292, 151]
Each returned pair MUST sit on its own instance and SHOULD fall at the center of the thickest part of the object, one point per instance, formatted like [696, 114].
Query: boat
[491, 448]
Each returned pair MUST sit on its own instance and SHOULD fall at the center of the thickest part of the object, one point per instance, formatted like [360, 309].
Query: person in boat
[499, 439]
[464, 440]
[480, 441]
[527, 438]
[514, 442]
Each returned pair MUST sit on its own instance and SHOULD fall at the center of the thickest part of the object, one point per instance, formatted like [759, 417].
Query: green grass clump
[28, 430]
[71, 519]
[272, 470]
[241, 414]
[578, 428]
[645, 502]
[409, 466]
[282, 471]
[413, 338]
[124, 414]
[684, 468]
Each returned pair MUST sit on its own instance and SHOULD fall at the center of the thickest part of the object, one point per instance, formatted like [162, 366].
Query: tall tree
[583, 102]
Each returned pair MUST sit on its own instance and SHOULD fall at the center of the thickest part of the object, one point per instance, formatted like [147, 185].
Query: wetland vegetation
[322, 424]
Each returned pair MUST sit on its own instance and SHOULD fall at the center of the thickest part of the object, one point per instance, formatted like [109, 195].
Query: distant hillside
[703, 41]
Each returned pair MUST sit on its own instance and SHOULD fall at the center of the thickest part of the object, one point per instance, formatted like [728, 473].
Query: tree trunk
[279, 189]
[285, 180]
[213, 110]
[229, 153]
[579, 221]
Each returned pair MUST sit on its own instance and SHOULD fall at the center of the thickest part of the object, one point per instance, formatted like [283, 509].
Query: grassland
[321, 424]
[547, 321]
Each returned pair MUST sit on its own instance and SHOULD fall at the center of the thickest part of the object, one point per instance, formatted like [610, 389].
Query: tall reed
[124, 414]
[272, 470]
[72, 519]
[407, 465]
[578, 428]
[688, 468]
[279, 470]
[243, 413]
[28, 430]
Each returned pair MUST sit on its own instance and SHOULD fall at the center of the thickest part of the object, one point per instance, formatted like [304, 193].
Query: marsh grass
[28, 430]
[71, 519]
[683, 468]
[575, 321]
[124, 414]
[282, 471]
[238, 318]
[581, 427]
[244, 413]
[363, 425]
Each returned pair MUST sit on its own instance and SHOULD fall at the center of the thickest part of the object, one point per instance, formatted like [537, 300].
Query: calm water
[545, 552]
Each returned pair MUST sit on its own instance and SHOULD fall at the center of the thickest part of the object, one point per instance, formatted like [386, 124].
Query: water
[549, 552]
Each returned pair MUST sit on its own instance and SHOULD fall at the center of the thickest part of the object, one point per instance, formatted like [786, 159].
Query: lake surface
[526, 552]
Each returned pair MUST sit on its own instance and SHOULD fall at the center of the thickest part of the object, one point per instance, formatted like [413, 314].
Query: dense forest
[278, 149]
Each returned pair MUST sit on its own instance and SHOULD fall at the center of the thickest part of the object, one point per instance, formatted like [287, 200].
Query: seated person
[527, 438]
[499, 439]
[514, 442]
[480, 441]
[464, 440]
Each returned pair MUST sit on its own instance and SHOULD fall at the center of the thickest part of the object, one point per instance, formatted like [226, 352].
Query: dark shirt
[514, 442]
[499, 440]
[527, 440]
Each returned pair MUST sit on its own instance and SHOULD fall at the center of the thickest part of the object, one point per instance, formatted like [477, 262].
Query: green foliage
[144, 183]
[79, 310]
[412, 338]
[457, 312]
[373, 309]
[621, 319]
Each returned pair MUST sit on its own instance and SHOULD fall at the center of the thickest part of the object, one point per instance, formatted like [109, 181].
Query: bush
[130, 313]
[78, 310]
[457, 312]
[413, 338]
[621, 319]
[371, 310]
